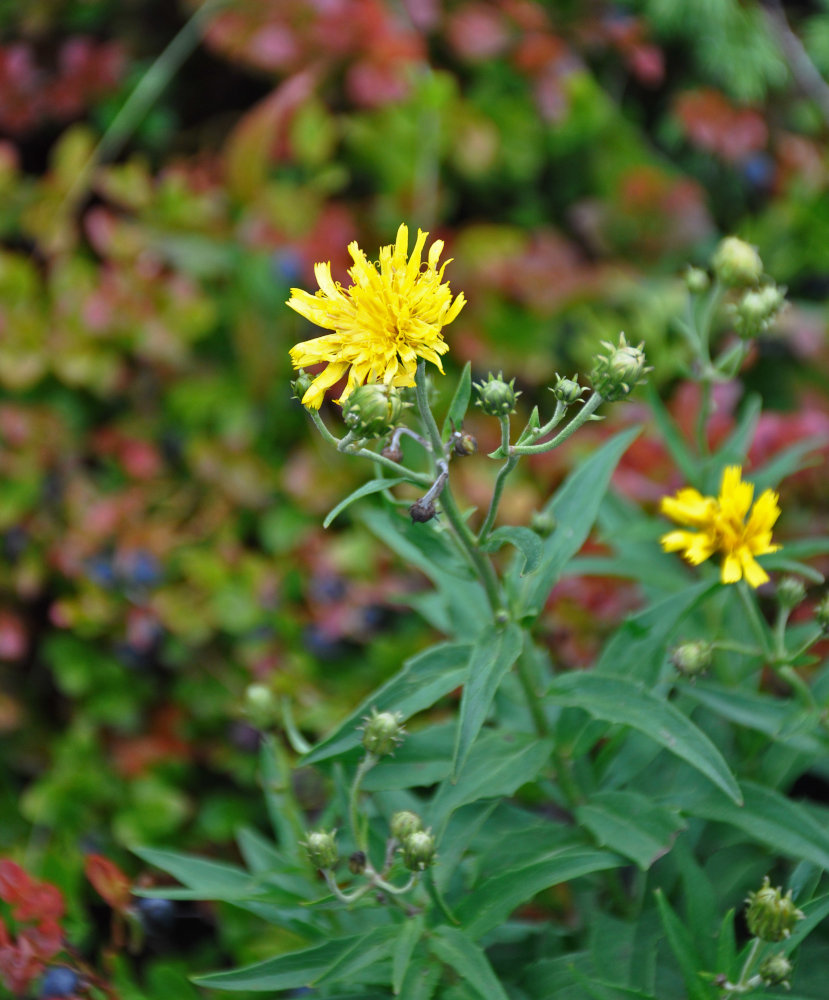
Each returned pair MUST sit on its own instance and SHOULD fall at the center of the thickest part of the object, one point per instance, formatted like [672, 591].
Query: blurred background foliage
[167, 172]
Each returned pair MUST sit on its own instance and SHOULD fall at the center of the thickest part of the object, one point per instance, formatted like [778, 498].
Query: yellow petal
[316, 391]
[732, 569]
[752, 570]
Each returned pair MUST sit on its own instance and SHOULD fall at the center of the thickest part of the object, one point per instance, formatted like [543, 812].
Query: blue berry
[156, 914]
[59, 981]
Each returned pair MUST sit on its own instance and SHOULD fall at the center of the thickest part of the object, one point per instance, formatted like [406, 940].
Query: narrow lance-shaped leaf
[372, 486]
[625, 703]
[460, 401]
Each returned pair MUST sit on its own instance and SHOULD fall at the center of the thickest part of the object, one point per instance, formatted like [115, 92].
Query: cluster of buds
[822, 613]
[757, 310]
[416, 844]
[737, 263]
[692, 658]
[568, 390]
[383, 732]
[770, 915]
[372, 410]
[615, 374]
[301, 384]
[496, 397]
[775, 970]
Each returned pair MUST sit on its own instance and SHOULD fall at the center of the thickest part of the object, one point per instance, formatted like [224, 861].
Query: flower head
[390, 316]
[721, 526]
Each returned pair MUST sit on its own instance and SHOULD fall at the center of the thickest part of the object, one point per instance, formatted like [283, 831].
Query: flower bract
[728, 524]
[391, 315]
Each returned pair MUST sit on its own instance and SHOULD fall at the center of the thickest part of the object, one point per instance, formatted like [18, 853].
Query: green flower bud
[301, 384]
[791, 591]
[383, 732]
[568, 390]
[757, 309]
[696, 280]
[771, 916]
[495, 396]
[261, 705]
[775, 970]
[321, 848]
[615, 375]
[822, 613]
[542, 523]
[404, 824]
[736, 262]
[692, 658]
[418, 851]
[372, 410]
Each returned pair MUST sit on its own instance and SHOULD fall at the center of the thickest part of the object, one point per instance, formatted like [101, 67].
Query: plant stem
[533, 698]
[480, 562]
[497, 490]
[365, 765]
[586, 413]
[754, 618]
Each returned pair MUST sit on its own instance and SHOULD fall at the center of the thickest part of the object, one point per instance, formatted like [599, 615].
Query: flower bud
[382, 732]
[757, 309]
[372, 410]
[495, 396]
[357, 862]
[422, 510]
[736, 262]
[261, 705]
[418, 851]
[404, 824]
[463, 444]
[771, 916]
[696, 280]
[568, 390]
[615, 375]
[791, 591]
[301, 384]
[775, 970]
[692, 658]
[822, 613]
[542, 523]
[321, 848]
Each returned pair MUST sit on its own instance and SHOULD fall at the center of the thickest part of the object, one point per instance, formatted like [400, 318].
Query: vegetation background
[168, 171]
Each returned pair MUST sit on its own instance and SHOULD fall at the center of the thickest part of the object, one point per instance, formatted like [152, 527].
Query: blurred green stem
[581, 418]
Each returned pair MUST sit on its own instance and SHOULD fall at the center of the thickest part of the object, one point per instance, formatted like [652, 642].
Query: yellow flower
[389, 317]
[722, 527]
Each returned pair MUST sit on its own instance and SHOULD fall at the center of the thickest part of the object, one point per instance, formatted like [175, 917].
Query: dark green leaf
[630, 824]
[492, 902]
[672, 436]
[490, 659]
[410, 933]
[574, 507]
[626, 703]
[524, 539]
[681, 945]
[334, 961]
[457, 951]
[372, 486]
[727, 947]
[423, 680]
[460, 402]
[790, 460]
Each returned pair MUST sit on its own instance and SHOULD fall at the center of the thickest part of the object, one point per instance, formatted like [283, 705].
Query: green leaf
[456, 950]
[574, 507]
[524, 539]
[780, 720]
[333, 961]
[734, 449]
[498, 765]
[630, 824]
[212, 879]
[491, 903]
[637, 649]
[786, 463]
[460, 402]
[672, 436]
[420, 983]
[628, 704]
[681, 945]
[372, 486]
[423, 680]
[814, 913]
[727, 947]
[771, 819]
[404, 946]
[490, 659]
